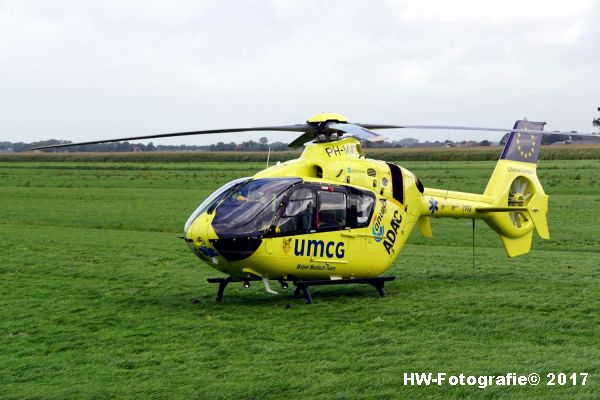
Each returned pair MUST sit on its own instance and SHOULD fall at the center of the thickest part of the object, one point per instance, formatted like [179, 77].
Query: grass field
[99, 299]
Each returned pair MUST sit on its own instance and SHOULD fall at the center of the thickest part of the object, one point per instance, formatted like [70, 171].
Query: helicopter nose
[197, 238]
[196, 232]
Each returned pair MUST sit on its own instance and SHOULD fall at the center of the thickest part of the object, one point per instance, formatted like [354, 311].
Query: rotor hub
[326, 117]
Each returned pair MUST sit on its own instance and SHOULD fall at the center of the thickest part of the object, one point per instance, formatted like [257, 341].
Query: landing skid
[302, 285]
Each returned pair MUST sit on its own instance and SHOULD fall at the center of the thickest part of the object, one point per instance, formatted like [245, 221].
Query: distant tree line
[261, 145]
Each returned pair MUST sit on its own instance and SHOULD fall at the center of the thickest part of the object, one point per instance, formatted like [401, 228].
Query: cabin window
[297, 217]
[397, 184]
[361, 205]
[311, 207]
[332, 210]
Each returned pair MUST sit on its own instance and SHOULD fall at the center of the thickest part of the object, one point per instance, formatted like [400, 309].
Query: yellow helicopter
[333, 216]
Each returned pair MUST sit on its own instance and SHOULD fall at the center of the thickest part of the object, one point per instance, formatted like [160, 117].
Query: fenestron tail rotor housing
[519, 194]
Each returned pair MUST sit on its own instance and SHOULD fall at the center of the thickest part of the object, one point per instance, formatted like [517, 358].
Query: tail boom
[446, 203]
[513, 203]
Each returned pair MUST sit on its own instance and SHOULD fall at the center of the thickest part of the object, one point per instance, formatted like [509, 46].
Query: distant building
[576, 142]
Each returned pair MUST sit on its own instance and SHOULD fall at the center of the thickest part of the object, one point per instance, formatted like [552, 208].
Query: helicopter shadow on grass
[287, 298]
[203, 297]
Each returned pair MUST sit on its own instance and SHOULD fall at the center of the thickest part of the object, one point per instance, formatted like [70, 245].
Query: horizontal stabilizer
[500, 209]
[536, 209]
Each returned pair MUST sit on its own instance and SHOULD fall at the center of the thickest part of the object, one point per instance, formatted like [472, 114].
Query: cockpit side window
[331, 213]
[297, 217]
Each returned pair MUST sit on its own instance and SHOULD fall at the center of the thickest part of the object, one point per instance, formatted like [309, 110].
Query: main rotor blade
[473, 128]
[300, 140]
[281, 128]
[356, 130]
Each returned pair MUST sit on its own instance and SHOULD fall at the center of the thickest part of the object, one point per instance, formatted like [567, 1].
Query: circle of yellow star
[522, 152]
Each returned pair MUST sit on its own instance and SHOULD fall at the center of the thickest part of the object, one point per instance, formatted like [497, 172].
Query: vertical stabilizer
[524, 147]
[514, 185]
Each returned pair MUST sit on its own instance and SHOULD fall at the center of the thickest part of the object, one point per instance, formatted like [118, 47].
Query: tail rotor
[518, 196]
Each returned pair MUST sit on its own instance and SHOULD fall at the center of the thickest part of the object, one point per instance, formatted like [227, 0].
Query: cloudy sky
[84, 70]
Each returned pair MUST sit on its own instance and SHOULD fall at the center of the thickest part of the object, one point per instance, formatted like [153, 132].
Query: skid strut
[223, 282]
[302, 285]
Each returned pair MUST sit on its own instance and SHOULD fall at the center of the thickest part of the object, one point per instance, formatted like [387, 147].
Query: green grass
[96, 296]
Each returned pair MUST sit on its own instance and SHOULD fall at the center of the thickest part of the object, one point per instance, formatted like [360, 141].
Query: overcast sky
[84, 70]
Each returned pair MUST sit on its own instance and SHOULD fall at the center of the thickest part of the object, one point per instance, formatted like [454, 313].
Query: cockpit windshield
[251, 208]
[213, 200]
